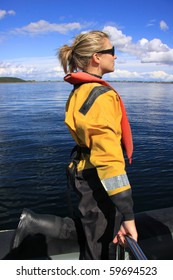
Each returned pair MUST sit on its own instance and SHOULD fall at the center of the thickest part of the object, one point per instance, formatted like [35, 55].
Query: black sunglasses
[109, 51]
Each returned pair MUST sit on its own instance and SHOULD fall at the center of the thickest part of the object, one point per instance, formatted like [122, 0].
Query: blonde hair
[77, 55]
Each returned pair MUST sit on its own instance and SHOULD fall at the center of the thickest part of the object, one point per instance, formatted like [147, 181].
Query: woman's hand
[127, 228]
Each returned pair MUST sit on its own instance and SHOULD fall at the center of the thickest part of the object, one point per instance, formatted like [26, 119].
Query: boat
[49, 241]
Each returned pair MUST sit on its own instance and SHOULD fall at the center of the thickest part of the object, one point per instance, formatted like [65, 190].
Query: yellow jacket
[100, 130]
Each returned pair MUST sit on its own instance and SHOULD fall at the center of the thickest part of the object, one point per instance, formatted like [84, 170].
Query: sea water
[35, 146]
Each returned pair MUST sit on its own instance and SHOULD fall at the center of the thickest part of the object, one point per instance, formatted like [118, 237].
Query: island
[11, 80]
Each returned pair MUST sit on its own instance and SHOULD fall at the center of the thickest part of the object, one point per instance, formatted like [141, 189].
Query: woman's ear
[96, 58]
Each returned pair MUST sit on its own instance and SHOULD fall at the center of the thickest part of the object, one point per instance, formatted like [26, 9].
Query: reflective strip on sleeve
[115, 182]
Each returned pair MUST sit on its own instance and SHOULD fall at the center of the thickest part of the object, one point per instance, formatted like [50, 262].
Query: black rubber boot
[48, 225]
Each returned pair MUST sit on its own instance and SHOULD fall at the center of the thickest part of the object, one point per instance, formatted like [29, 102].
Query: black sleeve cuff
[124, 203]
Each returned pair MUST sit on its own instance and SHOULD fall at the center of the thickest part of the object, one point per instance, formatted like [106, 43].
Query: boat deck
[155, 231]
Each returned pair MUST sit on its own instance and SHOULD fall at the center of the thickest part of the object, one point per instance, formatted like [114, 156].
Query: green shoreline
[13, 80]
[18, 80]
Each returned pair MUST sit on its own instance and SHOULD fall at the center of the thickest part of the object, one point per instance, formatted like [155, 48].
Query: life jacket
[82, 77]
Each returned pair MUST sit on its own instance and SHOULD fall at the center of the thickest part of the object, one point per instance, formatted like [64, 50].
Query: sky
[31, 31]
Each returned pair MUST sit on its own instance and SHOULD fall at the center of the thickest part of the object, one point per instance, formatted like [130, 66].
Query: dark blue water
[35, 147]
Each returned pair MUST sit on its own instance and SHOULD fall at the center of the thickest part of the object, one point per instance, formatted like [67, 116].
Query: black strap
[78, 150]
[95, 92]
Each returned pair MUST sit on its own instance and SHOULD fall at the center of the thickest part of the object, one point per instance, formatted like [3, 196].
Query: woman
[97, 120]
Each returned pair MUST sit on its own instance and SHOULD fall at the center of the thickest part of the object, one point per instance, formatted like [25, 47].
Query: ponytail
[78, 55]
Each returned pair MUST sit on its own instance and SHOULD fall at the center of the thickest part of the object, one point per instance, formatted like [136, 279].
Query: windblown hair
[78, 55]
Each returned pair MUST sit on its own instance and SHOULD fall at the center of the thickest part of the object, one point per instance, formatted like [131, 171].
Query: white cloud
[48, 68]
[153, 45]
[153, 51]
[41, 68]
[3, 13]
[160, 76]
[139, 60]
[14, 69]
[151, 23]
[42, 27]
[125, 74]
[163, 25]
[118, 38]
[159, 57]
[11, 12]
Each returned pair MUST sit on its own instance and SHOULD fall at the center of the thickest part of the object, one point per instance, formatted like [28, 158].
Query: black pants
[98, 222]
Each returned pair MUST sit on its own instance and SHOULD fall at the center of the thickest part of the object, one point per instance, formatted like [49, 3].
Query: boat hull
[155, 229]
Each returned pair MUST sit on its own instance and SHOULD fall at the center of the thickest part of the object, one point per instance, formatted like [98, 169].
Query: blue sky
[31, 31]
